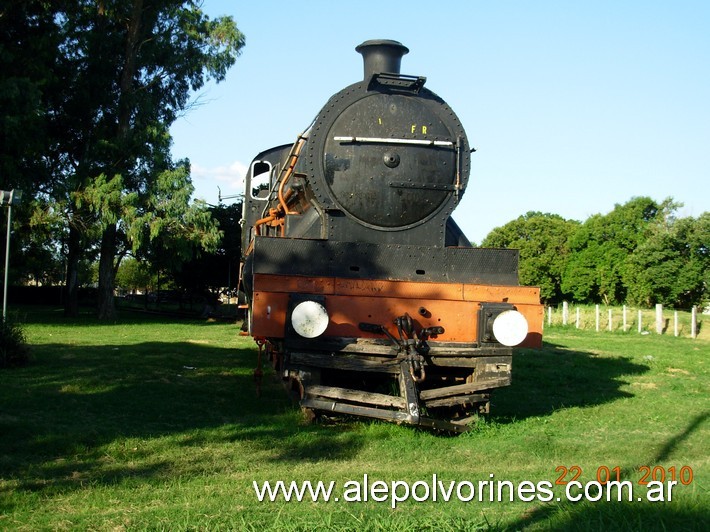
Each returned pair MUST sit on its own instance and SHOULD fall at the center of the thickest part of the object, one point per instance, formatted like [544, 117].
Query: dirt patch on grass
[645, 385]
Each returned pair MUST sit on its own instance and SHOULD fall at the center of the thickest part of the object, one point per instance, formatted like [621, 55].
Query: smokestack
[381, 55]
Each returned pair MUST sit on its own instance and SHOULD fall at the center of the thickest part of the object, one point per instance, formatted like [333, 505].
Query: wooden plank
[470, 362]
[356, 396]
[467, 351]
[343, 345]
[461, 389]
[387, 415]
[450, 362]
[334, 406]
[383, 364]
[344, 362]
[464, 420]
[459, 400]
[442, 424]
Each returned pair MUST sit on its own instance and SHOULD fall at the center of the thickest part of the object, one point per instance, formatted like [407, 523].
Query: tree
[672, 266]
[217, 269]
[166, 227]
[602, 245]
[28, 53]
[133, 275]
[542, 241]
[127, 70]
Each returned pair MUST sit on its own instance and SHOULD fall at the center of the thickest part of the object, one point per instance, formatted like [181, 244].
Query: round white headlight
[510, 328]
[309, 319]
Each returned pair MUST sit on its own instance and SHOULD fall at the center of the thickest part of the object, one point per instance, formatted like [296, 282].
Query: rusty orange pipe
[259, 223]
[288, 172]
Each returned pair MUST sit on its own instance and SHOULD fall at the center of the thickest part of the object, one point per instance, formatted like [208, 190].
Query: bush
[14, 350]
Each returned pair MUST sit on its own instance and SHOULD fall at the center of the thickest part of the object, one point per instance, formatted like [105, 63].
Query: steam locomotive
[361, 290]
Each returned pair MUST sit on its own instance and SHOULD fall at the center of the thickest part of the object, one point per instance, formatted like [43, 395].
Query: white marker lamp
[309, 319]
[510, 328]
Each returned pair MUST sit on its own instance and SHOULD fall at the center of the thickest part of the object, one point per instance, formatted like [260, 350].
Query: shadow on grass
[669, 513]
[94, 415]
[555, 378]
[552, 378]
[626, 516]
[673, 443]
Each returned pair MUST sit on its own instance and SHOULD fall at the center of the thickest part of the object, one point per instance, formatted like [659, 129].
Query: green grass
[156, 424]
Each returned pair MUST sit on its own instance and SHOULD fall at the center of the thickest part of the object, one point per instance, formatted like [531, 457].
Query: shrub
[14, 350]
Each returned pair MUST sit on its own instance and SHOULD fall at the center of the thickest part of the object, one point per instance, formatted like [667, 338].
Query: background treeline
[640, 254]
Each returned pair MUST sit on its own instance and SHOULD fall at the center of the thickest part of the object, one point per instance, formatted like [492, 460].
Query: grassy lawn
[154, 423]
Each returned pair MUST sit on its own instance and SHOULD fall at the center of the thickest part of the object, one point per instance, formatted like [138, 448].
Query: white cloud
[232, 175]
[209, 181]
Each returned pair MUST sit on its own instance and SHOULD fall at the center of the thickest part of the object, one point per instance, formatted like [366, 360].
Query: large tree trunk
[106, 308]
[71, 286]
[107, 273]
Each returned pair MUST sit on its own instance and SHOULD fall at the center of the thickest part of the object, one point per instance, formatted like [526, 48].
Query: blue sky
[573, 106]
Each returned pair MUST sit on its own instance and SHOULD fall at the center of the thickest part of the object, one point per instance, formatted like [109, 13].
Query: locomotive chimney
[381, 55]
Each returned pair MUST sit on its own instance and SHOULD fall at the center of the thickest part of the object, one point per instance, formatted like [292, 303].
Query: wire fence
[658, 320]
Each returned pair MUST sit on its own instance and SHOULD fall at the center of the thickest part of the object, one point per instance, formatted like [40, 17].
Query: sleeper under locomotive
[364, 293]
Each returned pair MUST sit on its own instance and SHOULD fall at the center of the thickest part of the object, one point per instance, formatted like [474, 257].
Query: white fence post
[565, 312]
[693, 322]
[609, 320]
[662, 325]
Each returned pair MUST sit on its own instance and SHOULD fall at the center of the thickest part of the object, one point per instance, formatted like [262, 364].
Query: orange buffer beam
[349, 302]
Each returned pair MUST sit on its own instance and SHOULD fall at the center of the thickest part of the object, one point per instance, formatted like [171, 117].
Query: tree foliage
[164, 230]
[216, 269]
[638, 253]
[105, 81]
[28, 53]
[542, 239]
[601, 247]
[134, 275]
[672, 266]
